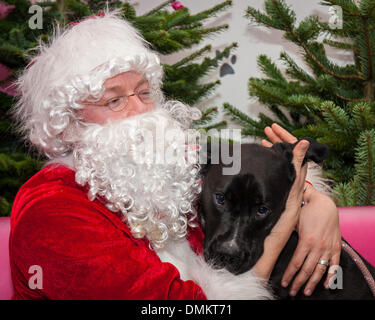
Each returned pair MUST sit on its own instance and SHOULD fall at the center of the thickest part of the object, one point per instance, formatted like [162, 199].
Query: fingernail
[284, 284]
[293, 293]
[307, 292]
[305, 145]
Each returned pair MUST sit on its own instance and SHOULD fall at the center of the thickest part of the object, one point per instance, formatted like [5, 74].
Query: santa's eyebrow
[117, 88]
[140, 82]
[114, 89]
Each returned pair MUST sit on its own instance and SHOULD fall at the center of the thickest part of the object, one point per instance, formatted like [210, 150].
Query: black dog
[239, 211]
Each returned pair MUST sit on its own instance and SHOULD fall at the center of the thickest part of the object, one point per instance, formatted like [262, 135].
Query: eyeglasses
[119, 103]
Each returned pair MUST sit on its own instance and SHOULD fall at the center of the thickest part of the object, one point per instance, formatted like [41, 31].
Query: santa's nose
[136, 106]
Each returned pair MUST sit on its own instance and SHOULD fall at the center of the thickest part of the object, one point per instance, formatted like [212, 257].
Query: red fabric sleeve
[85, 253]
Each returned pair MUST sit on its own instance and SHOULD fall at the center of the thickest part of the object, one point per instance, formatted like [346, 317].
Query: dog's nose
[228, 251]
[228, 255]
[229, 247]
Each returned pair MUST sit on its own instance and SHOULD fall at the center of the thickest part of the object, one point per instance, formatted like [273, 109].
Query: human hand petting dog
[282, 230]
[319, 234]
[320, 238]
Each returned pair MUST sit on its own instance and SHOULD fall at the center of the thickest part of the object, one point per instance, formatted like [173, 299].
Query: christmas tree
[323, 100]
[169, 28]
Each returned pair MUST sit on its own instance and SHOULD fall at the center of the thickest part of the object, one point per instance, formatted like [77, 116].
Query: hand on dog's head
[239, 211]
[317, 152]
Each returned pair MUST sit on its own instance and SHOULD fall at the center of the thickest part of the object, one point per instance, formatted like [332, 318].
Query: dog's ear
[317, 152]
[286, 150]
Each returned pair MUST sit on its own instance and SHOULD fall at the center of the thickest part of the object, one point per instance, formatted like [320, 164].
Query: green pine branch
[207, 116]
[159, 7]
[330, 102]
[361, 189]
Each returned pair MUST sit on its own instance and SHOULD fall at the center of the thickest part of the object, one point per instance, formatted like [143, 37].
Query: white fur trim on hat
[72, 68]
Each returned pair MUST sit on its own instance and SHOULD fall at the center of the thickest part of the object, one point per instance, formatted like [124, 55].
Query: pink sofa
[6, 287]
[357, 227]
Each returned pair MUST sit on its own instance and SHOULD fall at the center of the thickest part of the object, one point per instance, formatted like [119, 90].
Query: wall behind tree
[252, 41]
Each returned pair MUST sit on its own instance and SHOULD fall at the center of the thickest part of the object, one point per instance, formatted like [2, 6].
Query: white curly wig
[72, 68]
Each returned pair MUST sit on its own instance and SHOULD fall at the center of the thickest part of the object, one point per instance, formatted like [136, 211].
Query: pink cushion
[357, 226]
[6, 287]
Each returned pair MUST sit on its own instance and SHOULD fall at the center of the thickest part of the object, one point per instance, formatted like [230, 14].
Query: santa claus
[112, 215]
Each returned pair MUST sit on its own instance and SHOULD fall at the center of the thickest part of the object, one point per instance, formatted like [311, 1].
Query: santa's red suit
[84, 250]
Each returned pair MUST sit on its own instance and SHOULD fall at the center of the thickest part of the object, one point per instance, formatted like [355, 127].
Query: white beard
[156, 199]
[144, 168]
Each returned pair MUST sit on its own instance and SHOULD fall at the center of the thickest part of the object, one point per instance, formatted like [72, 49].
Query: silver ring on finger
[323, 262]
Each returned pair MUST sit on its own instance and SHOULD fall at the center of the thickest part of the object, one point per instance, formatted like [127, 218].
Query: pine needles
[324, 100]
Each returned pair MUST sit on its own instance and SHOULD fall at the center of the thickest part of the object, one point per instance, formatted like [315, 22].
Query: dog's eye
[263, 211]
[220, 198]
